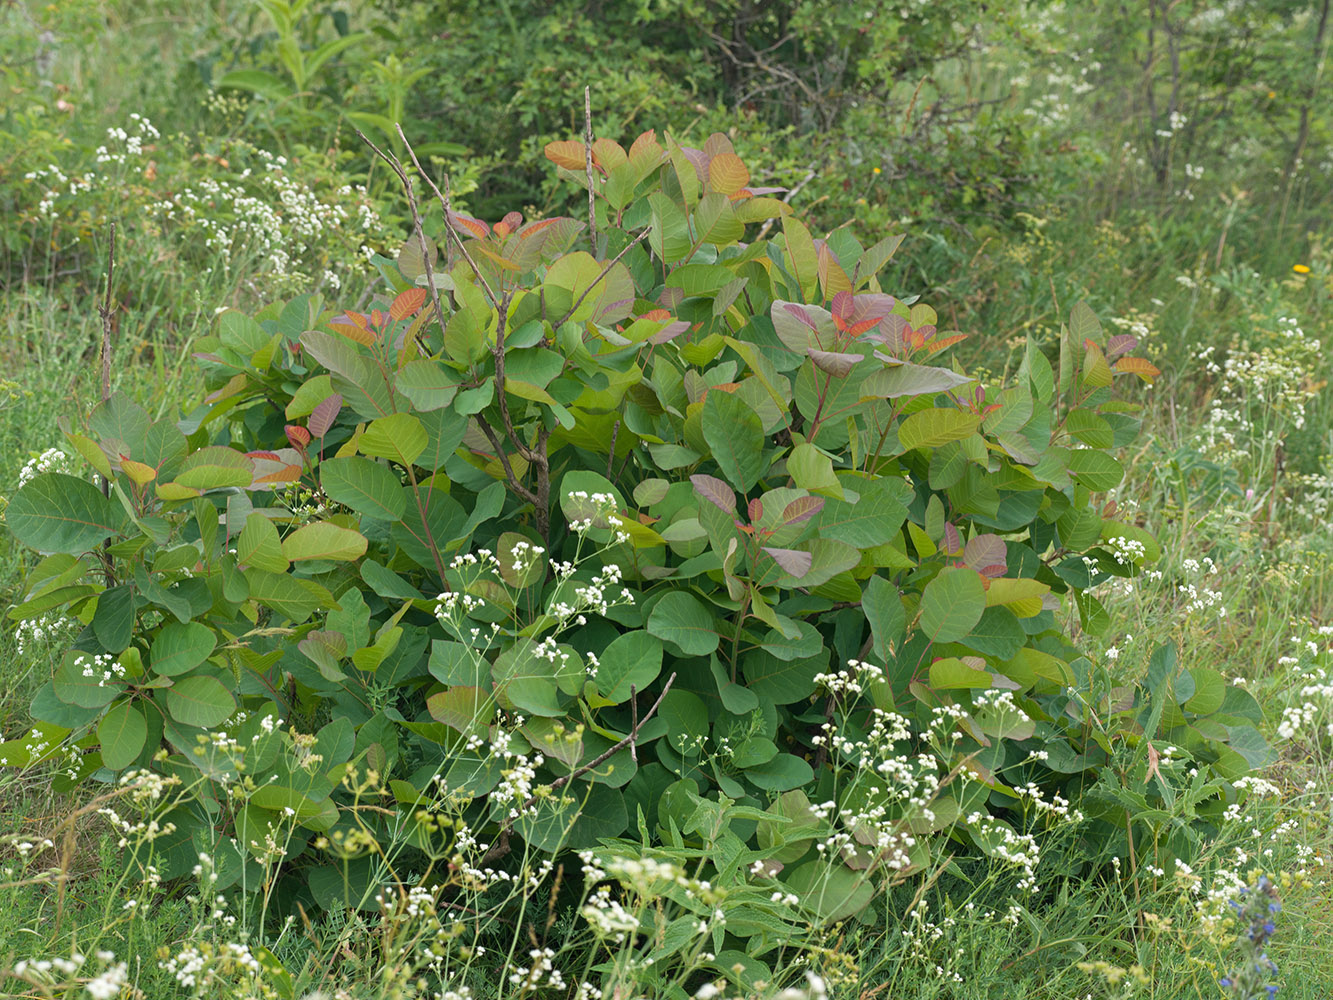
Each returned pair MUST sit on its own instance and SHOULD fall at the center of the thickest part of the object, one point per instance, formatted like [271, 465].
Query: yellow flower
[875, 170]
[1300, 268]
[1272, 94]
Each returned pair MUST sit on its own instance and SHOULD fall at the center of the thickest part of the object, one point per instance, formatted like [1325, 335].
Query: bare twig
[628, 741]
[587, 156]
[107, 310]
[448, 219]
[397, 167]
[605, 271]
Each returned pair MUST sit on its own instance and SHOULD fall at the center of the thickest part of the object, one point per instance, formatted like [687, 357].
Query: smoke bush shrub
[687, 537]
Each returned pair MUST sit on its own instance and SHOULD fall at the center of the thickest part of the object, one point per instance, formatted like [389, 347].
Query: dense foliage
[684, 537]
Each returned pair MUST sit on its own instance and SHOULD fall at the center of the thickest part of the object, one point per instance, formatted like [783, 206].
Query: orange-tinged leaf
[566, 153]
[473, 226]
[1145, 370]
[533, 228]
[353, 332]
[831, 275]
[646, 149]
[657, 315]
[407, 303]
[727, 173]
[272, 456]
[297, 435]
[935, 346]
[608, 154]
[267, 471]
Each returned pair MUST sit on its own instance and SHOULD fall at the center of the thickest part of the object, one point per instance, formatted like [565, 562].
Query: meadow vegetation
[846, 514]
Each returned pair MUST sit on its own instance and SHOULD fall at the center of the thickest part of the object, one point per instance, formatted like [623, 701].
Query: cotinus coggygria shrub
[672, 528]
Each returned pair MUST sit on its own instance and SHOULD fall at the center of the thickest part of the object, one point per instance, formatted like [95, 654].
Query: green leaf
[291, 598]
[113, 622]
[952, 673]
[781, 774]
[527, 681]
[783, 682]
[682, 620]
[179, 648]
[935, 427]
[122, 733]
[398, 437]
[952, 604]
[80, 681]
[216, 467]
[428, 384]
[1096, 470]
[200, 701]
[58, 513]
[257, 81]
[736, 698]
[812, 470]
[258, 545]
[686, 718]
[324, 540]
[387, 583]
[632, 659]
[883, 609]
[735, 436]
[833, 891]
[367, 487]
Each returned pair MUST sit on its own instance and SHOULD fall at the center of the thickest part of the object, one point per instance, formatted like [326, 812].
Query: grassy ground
[1232, 474]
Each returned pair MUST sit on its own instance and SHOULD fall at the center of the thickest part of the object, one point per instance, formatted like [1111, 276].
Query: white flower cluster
[45, 972]
[51, 460]
[103, 664]
[851, 681]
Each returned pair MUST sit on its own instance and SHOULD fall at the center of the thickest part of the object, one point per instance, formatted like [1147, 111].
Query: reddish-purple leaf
[802, 509]
[952, 540]
[669, 332]
[1119, 344]
[297, 435]
[836, 363]
[793, 561]
[323, 415]
[842, 305]
[715, 491]
[755, 509]
[986, 552]
[870, 305]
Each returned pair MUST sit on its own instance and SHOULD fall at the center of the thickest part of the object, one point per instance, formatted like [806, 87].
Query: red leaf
[272, 456]
[323, 415]
[755, 509]
[715, 491]
[298, 436]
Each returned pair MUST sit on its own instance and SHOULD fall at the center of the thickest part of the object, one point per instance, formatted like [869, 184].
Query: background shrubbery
[1165, 167]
